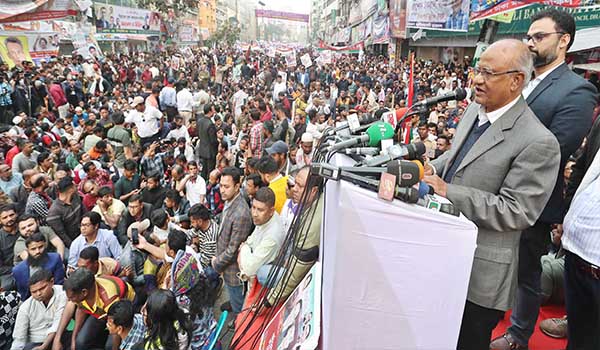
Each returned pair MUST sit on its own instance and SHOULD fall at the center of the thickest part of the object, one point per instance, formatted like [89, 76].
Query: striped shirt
[582, 224]
[207, 243]
[109, 290]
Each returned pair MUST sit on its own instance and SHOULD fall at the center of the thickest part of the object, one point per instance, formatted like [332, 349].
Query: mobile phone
[135, 238]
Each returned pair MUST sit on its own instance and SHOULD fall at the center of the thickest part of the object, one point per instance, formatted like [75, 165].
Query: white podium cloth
[395, 276]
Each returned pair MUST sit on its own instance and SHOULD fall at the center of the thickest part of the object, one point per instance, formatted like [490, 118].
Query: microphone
[408, 173]
[375, 133]
[458, 95]
[363, 151]
[353, 122]
[332, 172]
[410, 151]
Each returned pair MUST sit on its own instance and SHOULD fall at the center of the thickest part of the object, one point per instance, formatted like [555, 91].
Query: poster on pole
[398, 19]
[290, 58]
[448, 15]
[306, 61]
[297, 324]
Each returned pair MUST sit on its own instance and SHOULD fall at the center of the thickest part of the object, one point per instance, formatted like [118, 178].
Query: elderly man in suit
[499, 174]
[236, 226]
[564, 102]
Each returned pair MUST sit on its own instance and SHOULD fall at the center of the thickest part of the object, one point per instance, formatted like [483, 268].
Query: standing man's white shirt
[535, 82]
[238, 101]
[185, 100]
[147, 122]
[195, 190]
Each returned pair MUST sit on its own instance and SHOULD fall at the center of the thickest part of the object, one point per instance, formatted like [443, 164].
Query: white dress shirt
[535, 82]
[148, 122]
[484, 116]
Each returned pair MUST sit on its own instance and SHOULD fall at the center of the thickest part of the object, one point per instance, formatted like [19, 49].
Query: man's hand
[439, 186]
[126, 272]
[213, 261]
[428, 169]
[557, 232]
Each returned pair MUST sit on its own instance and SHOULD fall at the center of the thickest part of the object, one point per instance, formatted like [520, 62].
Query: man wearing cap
[147, 119]
[17, 128]
[279, 152]
[168, 99]
[305, 152]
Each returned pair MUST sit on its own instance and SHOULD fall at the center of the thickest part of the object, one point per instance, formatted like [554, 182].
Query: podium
[395, 275]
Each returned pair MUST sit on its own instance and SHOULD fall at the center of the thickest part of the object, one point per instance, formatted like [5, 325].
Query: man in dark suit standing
[499, 173]
[207, 140]
[564, 102]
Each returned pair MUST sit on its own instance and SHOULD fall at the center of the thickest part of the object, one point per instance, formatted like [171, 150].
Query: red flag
[406, 128]
[248, 52]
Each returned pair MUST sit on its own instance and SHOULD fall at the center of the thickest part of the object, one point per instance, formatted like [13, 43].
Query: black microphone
[458, 95]
[408, 173]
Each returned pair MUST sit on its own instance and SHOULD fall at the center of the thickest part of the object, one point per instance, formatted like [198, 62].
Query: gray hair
[524, 61]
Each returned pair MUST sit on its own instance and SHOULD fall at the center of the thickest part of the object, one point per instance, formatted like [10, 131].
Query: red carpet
[539, 341]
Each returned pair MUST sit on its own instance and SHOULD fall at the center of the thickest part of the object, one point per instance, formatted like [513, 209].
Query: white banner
[451, 15]
[119, 19]
[412, 262]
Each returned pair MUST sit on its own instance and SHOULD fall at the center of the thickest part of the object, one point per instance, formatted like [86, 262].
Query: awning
[586, 39]
[594, 67]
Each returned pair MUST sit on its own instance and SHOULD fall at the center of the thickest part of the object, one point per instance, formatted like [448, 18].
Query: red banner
[398, 19]
[38, 10]
[349, 48]
[495, 7]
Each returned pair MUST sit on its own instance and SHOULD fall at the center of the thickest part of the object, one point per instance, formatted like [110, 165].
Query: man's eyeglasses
[537, 37]
[488, 73]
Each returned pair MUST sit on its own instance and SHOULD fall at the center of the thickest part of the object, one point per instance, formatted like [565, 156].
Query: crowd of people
[134, 192]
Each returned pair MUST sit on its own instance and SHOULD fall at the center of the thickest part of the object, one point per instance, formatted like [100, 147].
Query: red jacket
[58, 95]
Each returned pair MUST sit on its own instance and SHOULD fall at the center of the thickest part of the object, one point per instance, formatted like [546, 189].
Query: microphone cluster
[376, 154]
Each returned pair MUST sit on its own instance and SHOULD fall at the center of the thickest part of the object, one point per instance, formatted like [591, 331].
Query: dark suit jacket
[235, 229]
[207, 138]
[564, 102]
[21, 273]
[583, 162]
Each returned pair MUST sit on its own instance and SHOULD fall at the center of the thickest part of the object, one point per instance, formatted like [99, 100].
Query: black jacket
[207, 138]
[564, 102]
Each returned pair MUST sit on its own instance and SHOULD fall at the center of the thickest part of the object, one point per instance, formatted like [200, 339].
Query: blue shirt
[5, 91]
[15, 181]
[106, 242]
